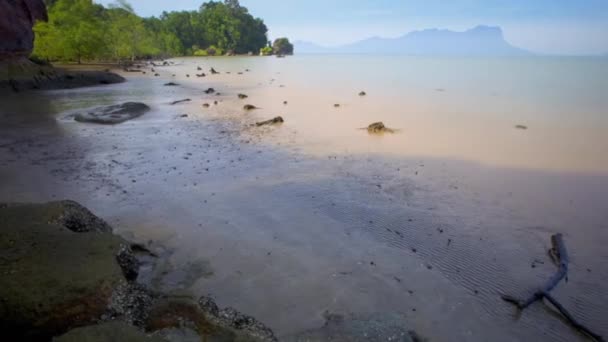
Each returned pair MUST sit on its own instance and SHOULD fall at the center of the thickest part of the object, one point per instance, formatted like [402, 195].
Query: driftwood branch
[559, 254]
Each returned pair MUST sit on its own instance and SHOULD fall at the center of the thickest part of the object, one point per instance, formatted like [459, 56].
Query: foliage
[214, 51]
[83, 30]
[266, 51]
[282, 46]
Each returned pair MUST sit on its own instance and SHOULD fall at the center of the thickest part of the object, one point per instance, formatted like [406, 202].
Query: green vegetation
[282, 46]
[266, 51]
[81, 30]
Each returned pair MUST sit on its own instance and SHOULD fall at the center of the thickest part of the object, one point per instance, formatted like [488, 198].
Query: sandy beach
[316, 220]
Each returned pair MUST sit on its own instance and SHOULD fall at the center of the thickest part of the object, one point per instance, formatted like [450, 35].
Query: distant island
[478, 41]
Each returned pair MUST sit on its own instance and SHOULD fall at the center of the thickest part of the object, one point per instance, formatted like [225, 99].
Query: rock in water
[180, 101]
[275, 121]
[114, 114]
[171, 84]
[242, 96]
[17, 17]
[523, 127]
[362, 93]
[249, 107]
[378, 127]
[210, 91]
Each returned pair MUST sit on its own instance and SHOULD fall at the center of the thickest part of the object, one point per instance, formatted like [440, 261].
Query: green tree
[82, 30]
[127, 36]
[73, 31]
[282, 46]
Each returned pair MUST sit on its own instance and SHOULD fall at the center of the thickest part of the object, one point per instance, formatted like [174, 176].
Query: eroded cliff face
[17, 18]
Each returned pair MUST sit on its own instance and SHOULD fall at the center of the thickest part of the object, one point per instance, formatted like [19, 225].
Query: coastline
[23, 75]
[338, 203]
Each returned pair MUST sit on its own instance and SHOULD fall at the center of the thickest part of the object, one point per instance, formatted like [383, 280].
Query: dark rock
[213, 71]
[284, 102]
[17, 18]
[58, 279]
[275, 121]
[180, 101]
[26, 75]
[206, 319]
[230, 318]
[208, 305]
[130, 303]
[199, 68]
[156, 75]
[201, 75]
[378, 128]
[128, 263]
[205, 105]
[522, 127]
[249, 107]
[113, 114]
[242, 96]
[210, 91]
[337, 105]
[170, 84]
[108, 332]
[362, 93]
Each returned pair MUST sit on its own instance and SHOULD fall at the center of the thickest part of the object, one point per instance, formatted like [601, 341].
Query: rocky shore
[17, 72]
[22, 75]
[66, 277]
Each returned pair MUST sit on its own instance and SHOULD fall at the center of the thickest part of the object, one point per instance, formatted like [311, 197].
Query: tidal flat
[314, 221]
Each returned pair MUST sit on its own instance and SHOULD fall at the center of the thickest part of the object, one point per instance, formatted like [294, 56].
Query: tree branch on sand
[559, 255]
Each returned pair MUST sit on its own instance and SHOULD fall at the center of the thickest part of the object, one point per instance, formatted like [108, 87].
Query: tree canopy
[282, 46]
[83, 30]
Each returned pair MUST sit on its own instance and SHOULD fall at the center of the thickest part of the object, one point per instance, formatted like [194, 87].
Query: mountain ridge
[480, 40]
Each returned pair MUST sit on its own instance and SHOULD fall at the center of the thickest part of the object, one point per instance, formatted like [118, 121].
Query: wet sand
[285, 232]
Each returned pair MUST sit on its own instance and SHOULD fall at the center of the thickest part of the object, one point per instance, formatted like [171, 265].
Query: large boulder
[113, 114]
[61, 269]
[54, 278]
[17, 18]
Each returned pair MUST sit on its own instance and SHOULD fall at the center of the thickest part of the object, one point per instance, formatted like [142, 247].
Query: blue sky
[549, 26]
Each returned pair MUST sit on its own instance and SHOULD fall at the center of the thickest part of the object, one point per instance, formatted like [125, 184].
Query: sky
[570, 27]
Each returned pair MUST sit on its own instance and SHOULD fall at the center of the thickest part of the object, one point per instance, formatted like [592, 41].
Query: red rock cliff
[17, 17]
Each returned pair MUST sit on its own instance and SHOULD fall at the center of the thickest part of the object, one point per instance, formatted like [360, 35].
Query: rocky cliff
[17, 18]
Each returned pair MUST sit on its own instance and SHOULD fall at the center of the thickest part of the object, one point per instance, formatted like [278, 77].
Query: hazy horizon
[544, 26]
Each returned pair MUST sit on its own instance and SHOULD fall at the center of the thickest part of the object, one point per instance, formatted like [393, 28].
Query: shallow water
[288, 222]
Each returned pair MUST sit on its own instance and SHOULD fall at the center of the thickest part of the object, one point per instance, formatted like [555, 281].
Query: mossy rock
[107, 332]
[52, 278]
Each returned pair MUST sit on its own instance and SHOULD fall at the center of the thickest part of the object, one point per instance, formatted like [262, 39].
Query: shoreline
[24, 75]
[100, 288]
[208, 215]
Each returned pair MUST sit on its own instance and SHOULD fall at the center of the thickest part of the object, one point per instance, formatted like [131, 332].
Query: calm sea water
[432, 223]
[462, 108]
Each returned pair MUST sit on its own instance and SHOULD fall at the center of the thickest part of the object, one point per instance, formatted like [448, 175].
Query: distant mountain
[478, 41]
